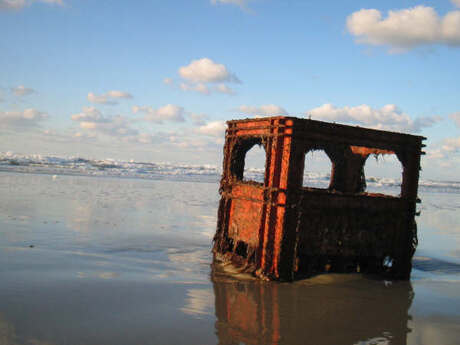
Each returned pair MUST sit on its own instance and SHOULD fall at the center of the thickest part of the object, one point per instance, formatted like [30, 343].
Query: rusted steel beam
[280, 230]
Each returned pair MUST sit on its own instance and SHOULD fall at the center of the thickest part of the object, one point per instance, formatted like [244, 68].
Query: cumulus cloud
[194, 143]
[108, 97]
[116, 126]
[206, 90]
[59, 2]
[19, 4]
[263, 110]
[456, 117]
[456, 2]
[206, 76]
[213, 129]
[199, 119]
[168, 81]
[21, 90]
[118, 94]
[206, 71]
[89, 114]
[27, 118]
[169, 112]
[389, 117]
[405, 29]
[451, 145]
[240, 3]
[91, 119]
[223, 88]
[12, 4]
[199, 87]
[444, 151]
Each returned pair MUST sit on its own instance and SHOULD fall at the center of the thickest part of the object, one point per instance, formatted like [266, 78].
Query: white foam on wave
[56, 165]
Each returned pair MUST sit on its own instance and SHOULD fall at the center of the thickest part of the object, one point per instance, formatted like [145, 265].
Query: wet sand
[94, 260]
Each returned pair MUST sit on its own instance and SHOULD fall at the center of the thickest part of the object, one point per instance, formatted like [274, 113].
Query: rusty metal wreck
[280, 230]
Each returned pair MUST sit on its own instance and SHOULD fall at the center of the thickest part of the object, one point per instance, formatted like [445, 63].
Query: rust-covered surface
[280, 230]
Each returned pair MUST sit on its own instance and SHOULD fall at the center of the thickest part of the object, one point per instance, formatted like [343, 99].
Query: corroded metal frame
[280, 230]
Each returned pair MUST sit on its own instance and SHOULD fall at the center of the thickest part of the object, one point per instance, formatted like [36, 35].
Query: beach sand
[105, 260]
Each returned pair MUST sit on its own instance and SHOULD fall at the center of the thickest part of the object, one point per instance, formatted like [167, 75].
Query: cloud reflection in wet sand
[199, 302]
[8, 335]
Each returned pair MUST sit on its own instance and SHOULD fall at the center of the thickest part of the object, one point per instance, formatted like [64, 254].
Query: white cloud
[200, 74]
[205, 89]
[389, 117]
[19, 4]
[456, 2]
[91, 119]
[21, 90]
[58, 2]
[169, 112]
[240, 3]
[83, 135]
[168, 81]
[206, 71]
[147, 138]
[199, 87]
[190, 143]
[118, 94]
[108, 97]
[263, 110]
[223, 88]
[213, 129]
[12, 4]
[435, 154]
[27, 118]
[102, 99]
[451, 145]
[456, 117]
[199, 119]
[446, 151]
[405, 29]
[144, 138]
[89, 114]
[116, 126]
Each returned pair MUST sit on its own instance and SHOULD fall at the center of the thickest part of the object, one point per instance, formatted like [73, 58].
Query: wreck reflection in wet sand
[332, 309]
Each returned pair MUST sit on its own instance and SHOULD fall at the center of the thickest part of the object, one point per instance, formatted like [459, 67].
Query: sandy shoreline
[121, 262]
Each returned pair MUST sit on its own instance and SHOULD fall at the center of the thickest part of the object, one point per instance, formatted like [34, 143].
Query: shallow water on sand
[99, 260]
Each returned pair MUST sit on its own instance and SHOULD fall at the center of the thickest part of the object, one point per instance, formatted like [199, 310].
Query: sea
[119, 252]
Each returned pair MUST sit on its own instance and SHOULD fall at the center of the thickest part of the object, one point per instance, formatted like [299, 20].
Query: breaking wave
[55, 165]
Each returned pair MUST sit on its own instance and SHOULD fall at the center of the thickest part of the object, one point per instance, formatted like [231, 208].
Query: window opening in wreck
[254, 164]
[383, 174]
[317, 169]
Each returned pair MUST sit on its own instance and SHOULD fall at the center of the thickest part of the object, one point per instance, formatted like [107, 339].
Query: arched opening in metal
[383, 174]
[317, 169]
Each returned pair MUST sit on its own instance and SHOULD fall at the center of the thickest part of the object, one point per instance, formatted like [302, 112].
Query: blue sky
[155, 80]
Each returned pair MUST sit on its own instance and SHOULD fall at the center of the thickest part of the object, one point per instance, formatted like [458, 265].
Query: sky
[156, 80]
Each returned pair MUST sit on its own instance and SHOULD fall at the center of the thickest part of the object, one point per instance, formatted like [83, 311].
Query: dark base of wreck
[316, 265]
[244, 259]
